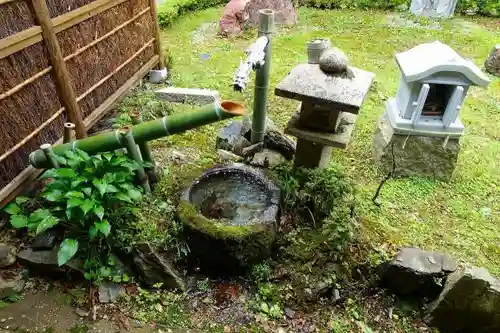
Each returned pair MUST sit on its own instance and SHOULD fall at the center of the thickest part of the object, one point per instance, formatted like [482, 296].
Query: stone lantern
[421, 126]
[328, 110]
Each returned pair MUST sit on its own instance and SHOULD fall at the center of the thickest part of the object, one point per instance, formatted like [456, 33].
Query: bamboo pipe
[266, 27]
[144, 147]
[69, 132]
[46, 148]
[144, 132]
[133, 153]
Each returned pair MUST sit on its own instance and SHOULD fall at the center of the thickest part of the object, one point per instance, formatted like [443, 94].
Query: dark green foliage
[483, 7]
[83, 196]
[312, 193]
[171, 10]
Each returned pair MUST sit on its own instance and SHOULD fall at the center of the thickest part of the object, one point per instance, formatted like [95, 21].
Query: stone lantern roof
[308, 83]
[431, 59]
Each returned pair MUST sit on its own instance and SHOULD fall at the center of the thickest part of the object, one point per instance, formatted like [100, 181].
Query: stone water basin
[230, 217]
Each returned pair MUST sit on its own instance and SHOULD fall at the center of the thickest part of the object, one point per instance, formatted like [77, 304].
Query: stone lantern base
[421, 156]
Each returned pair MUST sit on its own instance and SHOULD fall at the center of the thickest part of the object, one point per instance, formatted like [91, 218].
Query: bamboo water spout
[144, 132]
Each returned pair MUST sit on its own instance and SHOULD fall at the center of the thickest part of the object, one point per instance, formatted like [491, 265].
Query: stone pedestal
[422, 156]
[312, 155]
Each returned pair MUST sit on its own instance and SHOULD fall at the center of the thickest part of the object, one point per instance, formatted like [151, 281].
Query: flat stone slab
[340, 139]
[188, 95]
[308, 83]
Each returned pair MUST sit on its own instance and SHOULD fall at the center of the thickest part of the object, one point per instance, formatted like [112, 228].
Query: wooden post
[157, 43]
[65, 90]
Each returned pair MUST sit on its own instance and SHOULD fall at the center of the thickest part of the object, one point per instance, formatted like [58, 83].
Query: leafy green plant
[82, 196]
[203, 285]
[312, 193]
[261, 272]
[273, 311]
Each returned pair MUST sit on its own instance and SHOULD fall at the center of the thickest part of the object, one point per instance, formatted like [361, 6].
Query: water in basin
[231, 197]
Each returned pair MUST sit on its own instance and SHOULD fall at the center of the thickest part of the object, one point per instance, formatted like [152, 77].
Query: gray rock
[289, 313]
[252, 150]
[247, 125]
[267, 158]
[275, 140]
[233, 19]
[227, 156]
[336, 296]
[12, 286]
[45, 241]
[333, 61]
[284, 11]
[492, 64]
[415, 271]
[46, 261]
[241, 144]
[188, 95]
[229, 135]
[420, 156]
[155, 268]
[110, 292]
[469, 303]
[7, 255]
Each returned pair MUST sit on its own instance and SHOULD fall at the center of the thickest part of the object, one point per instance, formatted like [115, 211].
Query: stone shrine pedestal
[414, 156]
[329, 106]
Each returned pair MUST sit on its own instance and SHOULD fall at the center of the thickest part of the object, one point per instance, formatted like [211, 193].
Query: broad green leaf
[108, 156]
[134, 194]
[19, 221]
[101, 185]
[61, 160]
[111, 189]
[99, 211]
[74, 194]
[87, 206]
[71, 154]
[84, 156]
[104, 227]
[87, 191]
[67, 251]
[69, 213]
[46, 223]
[21, 200]
[93, 231]
[77, 181]
[13, 208]
[65, 173]
[60, 184]
[54, 195]
[74, 202]
[51, 173]
[105, 271]
[39, 215]
[109, 177]
[123, 197]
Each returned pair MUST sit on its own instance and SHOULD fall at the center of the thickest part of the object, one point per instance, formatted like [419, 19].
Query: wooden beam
[6, 1]
[158, 49]
[120, 93]
[33, 35]
[63, 82]
[107, 77]
[25, 82]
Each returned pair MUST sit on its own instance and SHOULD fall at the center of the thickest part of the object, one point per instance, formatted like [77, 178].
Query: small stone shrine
[331, 94]
[419, 133]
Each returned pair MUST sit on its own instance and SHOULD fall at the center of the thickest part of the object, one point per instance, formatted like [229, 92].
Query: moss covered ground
[460, 217]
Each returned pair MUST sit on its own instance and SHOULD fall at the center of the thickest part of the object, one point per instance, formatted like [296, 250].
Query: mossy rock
[221, 248]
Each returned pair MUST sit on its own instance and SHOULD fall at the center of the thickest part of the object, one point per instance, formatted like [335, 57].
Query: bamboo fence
[66, 60]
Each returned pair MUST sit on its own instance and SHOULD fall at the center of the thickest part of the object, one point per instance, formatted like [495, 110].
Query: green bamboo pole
[69, 129]
[144, 132]
[266, 28]
[133, 152]
[144, 147]
[48, 153]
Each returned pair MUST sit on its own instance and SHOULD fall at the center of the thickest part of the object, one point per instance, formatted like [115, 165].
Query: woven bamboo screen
[65, 60]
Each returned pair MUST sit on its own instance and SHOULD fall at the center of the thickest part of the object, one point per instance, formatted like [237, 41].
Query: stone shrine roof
[308, 83]
[430, 58]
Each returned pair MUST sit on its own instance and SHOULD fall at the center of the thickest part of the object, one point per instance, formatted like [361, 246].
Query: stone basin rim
[269, 215]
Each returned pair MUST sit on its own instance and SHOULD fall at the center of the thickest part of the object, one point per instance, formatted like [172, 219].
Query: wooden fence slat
[32, 134]
[103, 37]
[158, 50]
[24, 83]
[23, 39]
[63, 82]
[6, 1]
[120, 93]
[123, 64]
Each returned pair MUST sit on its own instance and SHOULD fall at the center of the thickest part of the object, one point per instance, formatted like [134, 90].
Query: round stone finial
[333, 61]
